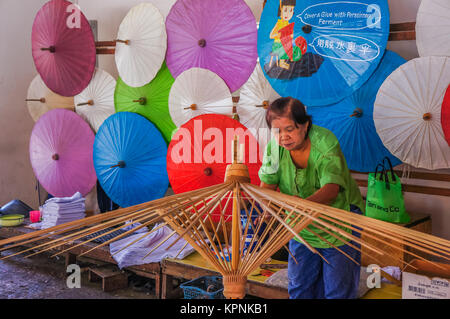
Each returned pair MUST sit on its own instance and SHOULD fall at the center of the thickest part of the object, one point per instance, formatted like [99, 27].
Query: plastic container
[35, 216]
[206, 287]
[11, 220]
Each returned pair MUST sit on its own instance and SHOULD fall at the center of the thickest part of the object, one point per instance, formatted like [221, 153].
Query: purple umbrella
[61, 148]
[217, 35]
[63, 47]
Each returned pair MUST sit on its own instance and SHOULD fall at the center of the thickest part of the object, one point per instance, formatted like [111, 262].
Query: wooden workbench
[152, 270]
[195, 266]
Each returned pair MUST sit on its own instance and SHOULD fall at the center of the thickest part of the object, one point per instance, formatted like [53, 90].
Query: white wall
[17, 70]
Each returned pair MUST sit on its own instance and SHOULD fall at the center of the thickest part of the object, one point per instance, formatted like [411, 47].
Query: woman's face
[288, 134]
[287, 12]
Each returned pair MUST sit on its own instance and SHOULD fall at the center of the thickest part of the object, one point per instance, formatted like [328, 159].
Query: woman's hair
[286, 3]
[291, 108]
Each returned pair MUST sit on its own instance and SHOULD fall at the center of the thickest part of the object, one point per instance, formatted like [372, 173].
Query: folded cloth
[136, 253]
[56, 211]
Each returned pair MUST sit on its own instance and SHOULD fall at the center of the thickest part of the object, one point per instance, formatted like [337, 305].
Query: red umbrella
[445, 115]
[63, 47]
[201, 150]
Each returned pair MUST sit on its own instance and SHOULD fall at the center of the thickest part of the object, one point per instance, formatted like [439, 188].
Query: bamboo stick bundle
[262, 222]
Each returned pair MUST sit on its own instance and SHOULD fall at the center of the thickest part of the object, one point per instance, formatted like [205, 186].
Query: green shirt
[326, 165]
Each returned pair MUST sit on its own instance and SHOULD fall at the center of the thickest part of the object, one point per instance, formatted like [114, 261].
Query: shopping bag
[384, 195]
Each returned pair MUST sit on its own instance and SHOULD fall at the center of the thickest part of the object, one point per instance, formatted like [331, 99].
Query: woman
[305, 160]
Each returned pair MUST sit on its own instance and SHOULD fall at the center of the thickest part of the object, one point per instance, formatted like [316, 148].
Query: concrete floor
[41, 277]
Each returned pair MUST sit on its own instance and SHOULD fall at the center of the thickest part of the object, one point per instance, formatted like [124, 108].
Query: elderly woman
[305, 160]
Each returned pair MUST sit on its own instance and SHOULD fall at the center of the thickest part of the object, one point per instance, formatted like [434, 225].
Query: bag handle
[390, 168]
[381, 172]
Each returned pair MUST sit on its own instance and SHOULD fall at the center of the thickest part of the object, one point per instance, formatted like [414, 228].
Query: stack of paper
[58, 211]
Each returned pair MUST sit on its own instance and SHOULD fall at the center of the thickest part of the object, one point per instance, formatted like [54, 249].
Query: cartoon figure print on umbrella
[321, 51]
[283, 35]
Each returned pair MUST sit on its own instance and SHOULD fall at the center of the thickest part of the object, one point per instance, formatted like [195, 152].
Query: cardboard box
[426, 282]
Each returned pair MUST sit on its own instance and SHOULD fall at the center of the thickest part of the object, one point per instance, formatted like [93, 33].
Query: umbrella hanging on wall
[198, 91]
[64, 54]
[40, 99]
[216, 35]
[200, 150]
[407, 112]
[61, 153]
[130, 159]
[150, 101]
[320, 51]
[96, 103]
[433, 28]
[255, 97]
[141, 45]
[445, 115]
[351, 120]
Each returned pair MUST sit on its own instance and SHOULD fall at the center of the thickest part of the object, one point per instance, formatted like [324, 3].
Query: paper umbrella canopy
[351, 120]
[433, 28]
[445, 115]
[96, 103]
[198, 91]
[141, 45]
[407, 112]
[40, 99]
[61, 153]
[322, 51]
[150, 101]
[201, 149]
[63, 47]
[216, 35]
[130, 159]
[255, 97]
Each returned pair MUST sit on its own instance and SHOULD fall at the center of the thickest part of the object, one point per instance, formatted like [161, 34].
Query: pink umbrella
[63, 47]
[61, 153]
[217, 35]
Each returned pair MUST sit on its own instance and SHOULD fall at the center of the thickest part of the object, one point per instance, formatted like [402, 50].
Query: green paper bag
[384, 196]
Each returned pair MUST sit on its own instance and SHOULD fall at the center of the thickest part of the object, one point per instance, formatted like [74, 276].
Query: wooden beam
[420, 175]
[100, 44]
[438, 191]
[110, 51]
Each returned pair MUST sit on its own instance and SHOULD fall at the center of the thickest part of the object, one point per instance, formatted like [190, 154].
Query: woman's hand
[326, 195]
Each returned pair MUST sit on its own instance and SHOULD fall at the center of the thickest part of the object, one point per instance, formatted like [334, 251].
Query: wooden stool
[112, 278]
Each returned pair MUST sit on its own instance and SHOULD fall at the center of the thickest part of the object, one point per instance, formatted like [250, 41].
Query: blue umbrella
[351, 120]
[130, 159]
[321, 51]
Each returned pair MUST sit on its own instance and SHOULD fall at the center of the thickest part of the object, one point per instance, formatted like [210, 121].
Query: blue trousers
[313, 278]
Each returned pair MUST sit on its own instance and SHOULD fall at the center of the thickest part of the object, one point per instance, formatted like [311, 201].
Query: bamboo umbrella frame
[189, 216]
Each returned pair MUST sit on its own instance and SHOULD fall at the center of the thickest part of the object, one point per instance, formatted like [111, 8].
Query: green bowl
[11, 220]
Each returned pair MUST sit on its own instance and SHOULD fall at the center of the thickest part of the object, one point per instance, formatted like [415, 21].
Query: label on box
[422, 287]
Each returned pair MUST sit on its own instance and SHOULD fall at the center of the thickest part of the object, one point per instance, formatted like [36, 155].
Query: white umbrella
[433, 28]
[141, 45]
[407, 112]
[255, 97]
[40, 99]
[96, 103]
[198, 91]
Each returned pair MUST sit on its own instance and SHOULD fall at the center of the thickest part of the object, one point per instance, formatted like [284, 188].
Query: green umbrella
[150, 100]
